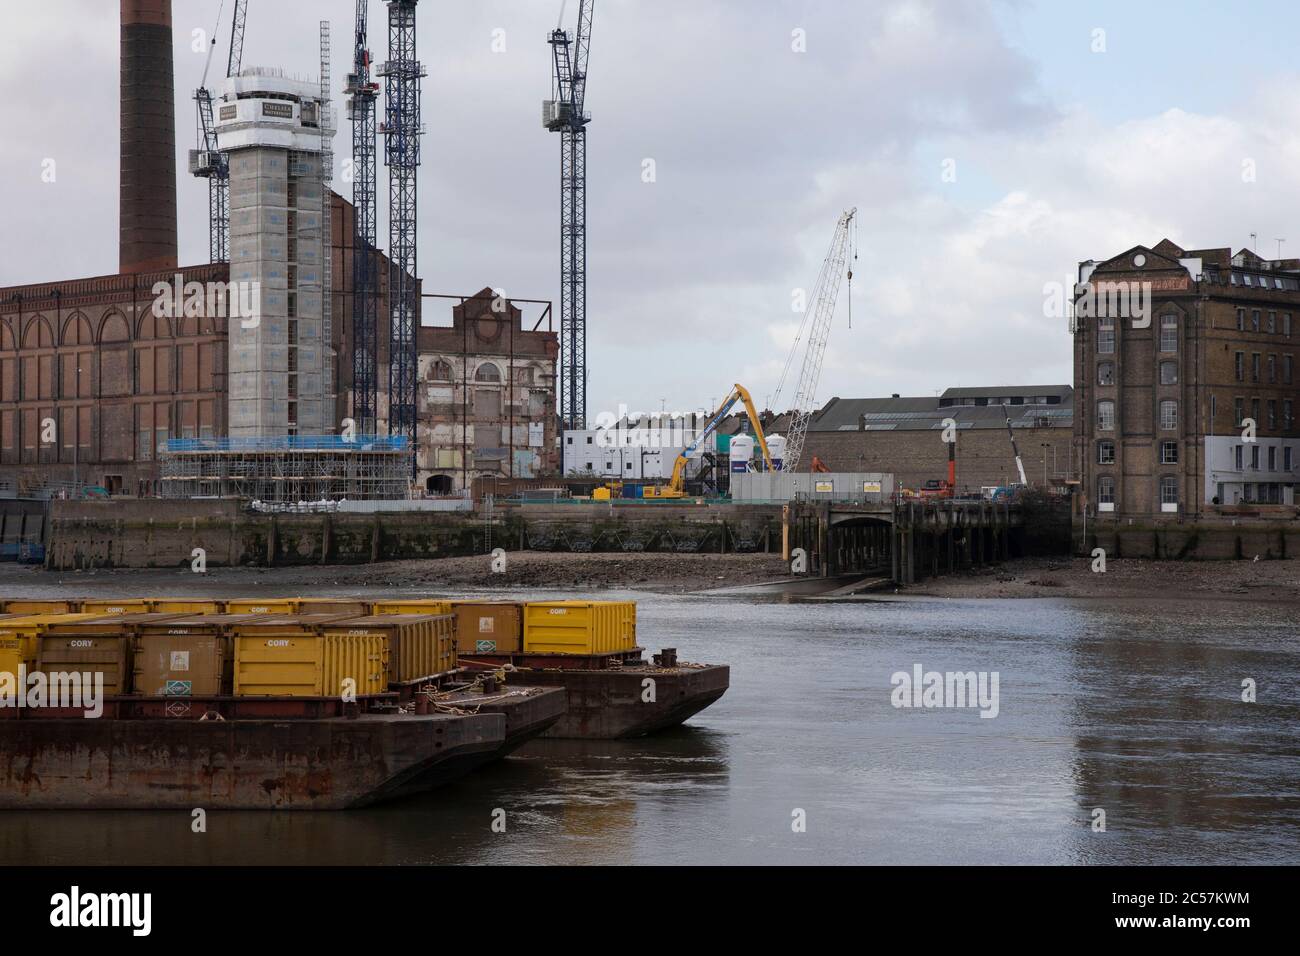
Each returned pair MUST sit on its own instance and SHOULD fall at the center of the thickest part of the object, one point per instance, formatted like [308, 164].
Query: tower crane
[362, 94]
[402, 130]
[817, 325]
[564, 113]
[207, 161]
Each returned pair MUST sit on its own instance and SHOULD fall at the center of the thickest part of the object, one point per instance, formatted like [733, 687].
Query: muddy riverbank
[1126, 578]
[668, 573]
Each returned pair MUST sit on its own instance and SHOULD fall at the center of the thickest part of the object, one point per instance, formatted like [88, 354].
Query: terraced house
[1185, 382]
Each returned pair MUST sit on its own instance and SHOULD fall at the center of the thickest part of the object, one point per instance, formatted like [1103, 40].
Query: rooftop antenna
[1254, 240]
[1279, 246]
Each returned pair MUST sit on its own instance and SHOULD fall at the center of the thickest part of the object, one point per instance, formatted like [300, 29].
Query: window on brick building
[1286, 324]
[1254, 366]
[1272, 414]
[1241, 320]
[1272, 458]
[1254, 410]
[1105, 453]
[441, 371]
[1272, 322]
[1272, 367]
[1238, 411]
[1106, 490]
[1236, 457]
[1105, 373]
[1286, 369]
[1106, 335]
[1241, 366]
[1168, 490]
[1286, 458]
[1168, 415]
[1169, 453]
[1288, 419]
[1254, 320]
[1254, 458]
[1106, 416]
[1169, 333]
[1168, 373]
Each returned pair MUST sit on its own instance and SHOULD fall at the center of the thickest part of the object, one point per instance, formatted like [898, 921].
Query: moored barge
[242, 711]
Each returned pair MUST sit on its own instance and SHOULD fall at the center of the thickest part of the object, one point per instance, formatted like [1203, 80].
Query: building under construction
[326, 468]
[119, 383]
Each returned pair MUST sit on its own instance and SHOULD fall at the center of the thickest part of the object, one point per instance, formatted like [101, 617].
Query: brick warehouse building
[1160, 425]
[118, 381]
[903, 436]
[92, 382]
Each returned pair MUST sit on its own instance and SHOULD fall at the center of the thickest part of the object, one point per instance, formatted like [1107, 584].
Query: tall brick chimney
[147, 202]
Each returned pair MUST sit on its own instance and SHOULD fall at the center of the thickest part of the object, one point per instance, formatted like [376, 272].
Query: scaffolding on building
[291, 469]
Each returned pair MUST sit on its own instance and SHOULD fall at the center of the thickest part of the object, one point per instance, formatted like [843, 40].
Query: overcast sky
[1073, 133]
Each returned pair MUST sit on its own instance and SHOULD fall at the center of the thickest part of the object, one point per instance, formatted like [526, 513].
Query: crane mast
[825, 294]
[206, 161]
[402, 130]
[362, 94]
[565, 114]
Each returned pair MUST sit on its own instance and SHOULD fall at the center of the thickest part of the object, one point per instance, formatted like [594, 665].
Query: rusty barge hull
[607, 703]
[526, 716]
[329, 763]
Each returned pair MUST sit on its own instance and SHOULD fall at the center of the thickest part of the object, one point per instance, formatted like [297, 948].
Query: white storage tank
[776, 449]
[742, 453]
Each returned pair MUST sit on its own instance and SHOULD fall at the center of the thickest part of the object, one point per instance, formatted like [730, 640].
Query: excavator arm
[677, 484]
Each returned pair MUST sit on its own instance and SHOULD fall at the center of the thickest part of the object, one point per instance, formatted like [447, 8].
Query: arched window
[1168, 415]
[441, 371]
[1106, 416]
[487, 372]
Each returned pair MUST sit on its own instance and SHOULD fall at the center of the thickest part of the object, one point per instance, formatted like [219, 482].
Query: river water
[1133, 708]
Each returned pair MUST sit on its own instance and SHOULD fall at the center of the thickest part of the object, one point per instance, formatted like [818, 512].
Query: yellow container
[357, 608]
[187, 605]
[419, 646]
[19, 635]
[289, 657]
[20, 606]
[577, 627]
[109, 655]
[419, 606]
[118, 606]
[489, 627]
[262, 606]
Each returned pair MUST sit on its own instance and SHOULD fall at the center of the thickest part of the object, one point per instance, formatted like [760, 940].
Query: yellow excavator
[676, 487]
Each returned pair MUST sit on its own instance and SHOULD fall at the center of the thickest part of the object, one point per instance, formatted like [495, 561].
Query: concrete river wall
[164, 533]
